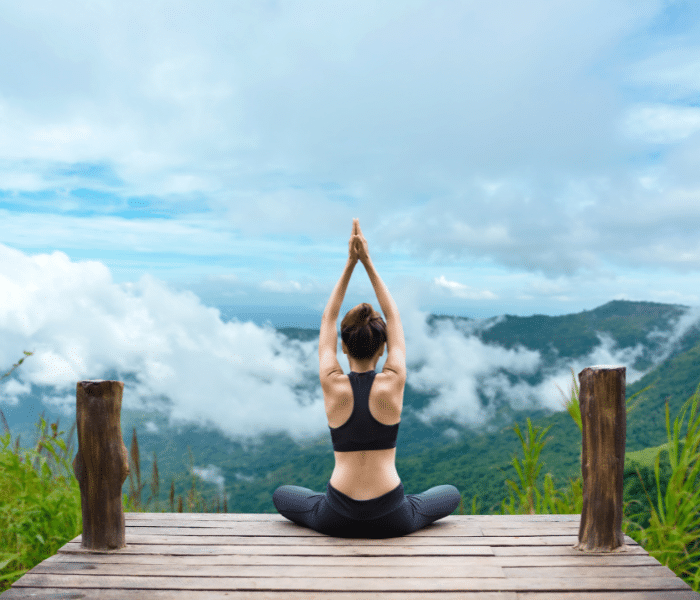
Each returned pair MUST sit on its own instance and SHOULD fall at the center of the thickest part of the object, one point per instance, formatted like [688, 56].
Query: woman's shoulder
[393, 375]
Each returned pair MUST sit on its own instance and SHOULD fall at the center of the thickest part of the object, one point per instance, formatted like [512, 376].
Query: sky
[161, 159]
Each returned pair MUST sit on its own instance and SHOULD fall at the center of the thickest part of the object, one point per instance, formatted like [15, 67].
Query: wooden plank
[107, 594]
[318, 550]
[131, 517]
[510, 518]
[522, 530]
[273, 528]
[276, 516]
[512, 557]
[75, 593]
[271, 547]
[266, 571]
[289, 528]
[465, 569]
[497, 520]
[278, 530]
[562, 551]
[545, 572]
[619, 560]
[437, 526]
[357, 584]
[291, 540]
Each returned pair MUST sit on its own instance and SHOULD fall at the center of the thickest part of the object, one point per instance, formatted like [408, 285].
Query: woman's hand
[358, 243]
[352, 251]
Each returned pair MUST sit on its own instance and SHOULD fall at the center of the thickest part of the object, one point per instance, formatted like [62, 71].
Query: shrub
[39, 503]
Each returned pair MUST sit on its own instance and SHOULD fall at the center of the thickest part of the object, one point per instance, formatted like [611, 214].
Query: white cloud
[64, 404]
[674, 71]
[210, 474]
[237, 376]
[496, 125]
[11, 390]
[367, 97]
[455, 367]
[284, 286]
[80, 325]
[460, 290]
[689, 319]
[459, 133]
[663, 124]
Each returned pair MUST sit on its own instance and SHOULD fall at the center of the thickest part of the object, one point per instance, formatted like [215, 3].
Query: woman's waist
[373, 458]
[365, 477]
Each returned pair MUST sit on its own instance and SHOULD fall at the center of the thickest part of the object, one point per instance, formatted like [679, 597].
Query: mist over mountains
[462, 373]
[245, 398]
[188, 363]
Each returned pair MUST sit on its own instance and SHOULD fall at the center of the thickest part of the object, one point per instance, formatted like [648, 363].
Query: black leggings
[391, 515]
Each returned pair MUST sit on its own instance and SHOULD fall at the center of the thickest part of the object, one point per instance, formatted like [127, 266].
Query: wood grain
[468, 557]
[101, 463]
[604, 423]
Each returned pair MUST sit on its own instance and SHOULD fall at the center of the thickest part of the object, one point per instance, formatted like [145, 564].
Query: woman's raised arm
[395, 342]
[328, 337]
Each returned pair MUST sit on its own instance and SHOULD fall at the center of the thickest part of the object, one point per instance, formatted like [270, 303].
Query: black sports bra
[362, 431]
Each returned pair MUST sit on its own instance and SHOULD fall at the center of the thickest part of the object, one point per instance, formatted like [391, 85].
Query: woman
[365, 496]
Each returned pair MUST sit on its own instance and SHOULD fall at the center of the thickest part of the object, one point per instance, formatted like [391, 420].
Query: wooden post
[603, 415]
[101, 464]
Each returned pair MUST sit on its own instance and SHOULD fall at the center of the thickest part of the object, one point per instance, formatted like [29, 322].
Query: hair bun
[365, 314]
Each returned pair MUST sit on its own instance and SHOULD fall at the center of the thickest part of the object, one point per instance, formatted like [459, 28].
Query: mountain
[665, 351]
[575, 335]
[479, 462]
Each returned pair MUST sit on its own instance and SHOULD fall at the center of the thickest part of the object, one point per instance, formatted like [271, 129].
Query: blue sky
[161, 158]
[503, 157]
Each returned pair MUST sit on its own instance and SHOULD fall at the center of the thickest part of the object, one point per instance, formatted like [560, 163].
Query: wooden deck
[256, 557]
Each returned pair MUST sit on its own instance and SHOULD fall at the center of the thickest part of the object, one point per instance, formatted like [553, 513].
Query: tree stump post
[603, 415]
[101, 464]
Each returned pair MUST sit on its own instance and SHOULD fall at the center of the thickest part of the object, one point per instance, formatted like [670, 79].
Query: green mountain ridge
[477, 462]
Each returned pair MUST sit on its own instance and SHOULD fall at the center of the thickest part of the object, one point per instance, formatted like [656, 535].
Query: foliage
[526, 497]
[39, 502]
[16, 365]
[529, 498]
[673, 535]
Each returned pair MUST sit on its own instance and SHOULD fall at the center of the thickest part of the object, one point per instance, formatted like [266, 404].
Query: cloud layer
[178, 356]
[557, 140]
[81, 325]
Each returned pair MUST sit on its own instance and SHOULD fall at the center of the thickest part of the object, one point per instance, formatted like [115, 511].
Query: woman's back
[365, 474]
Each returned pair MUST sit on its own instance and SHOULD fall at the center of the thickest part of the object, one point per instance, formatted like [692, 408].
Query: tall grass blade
[5, 425]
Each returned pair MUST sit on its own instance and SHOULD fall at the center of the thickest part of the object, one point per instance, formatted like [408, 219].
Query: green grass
[39, 503]
[647, 456]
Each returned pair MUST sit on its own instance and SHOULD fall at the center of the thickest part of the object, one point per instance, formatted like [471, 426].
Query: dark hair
[363, 330]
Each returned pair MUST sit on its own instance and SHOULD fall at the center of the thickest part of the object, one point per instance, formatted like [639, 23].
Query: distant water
[277, 316]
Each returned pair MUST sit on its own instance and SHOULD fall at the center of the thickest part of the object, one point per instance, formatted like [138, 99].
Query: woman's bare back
[366, 474]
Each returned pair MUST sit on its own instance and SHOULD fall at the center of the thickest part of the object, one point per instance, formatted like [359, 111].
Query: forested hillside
[437, 451]
[479, 462]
